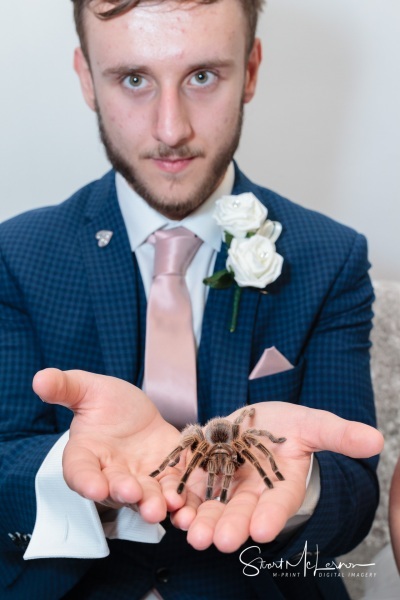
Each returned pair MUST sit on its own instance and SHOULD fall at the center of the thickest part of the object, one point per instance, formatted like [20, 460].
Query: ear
[82, 69]
[252, 67]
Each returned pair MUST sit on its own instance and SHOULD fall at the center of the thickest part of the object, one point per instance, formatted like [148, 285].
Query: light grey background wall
[324, 128]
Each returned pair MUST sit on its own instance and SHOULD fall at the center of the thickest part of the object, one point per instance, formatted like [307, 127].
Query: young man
[168, 81]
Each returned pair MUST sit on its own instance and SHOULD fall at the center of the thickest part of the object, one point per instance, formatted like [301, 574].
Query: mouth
[173, 165]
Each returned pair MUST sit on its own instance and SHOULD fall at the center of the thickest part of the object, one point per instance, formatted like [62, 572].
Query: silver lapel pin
[103, 238]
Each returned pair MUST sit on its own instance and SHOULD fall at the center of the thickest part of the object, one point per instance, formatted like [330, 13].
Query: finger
[245, 516]
[169, 485]
[182, 507]
[124, 488]
[184, 517]
[253, 510]
[83, 474]
[233, 526]
[152, 506]
[274, 508]
[201, 531]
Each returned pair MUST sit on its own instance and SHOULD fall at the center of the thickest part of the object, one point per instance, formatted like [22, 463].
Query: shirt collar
[141, 220]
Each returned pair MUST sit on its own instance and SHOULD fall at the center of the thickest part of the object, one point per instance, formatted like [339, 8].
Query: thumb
[67, 388]
[115, 400]
[360, 440]
[351, 438]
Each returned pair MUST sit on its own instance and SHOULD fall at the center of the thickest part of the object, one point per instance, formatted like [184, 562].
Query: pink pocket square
[270, 363]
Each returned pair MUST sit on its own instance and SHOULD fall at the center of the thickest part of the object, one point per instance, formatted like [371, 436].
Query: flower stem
[235, 310]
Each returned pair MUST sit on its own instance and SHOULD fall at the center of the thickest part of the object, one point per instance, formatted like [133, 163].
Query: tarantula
[220, 450]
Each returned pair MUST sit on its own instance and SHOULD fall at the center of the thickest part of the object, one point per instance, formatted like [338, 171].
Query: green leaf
[221, 280]
[228, 239]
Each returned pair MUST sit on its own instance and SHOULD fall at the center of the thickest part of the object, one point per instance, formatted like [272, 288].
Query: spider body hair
[220, 450]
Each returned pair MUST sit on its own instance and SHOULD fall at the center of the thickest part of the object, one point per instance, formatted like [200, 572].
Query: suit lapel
[224, 357]
[115, 284]
[119, 305]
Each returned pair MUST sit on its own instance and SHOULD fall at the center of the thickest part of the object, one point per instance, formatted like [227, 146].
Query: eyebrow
[121, 70]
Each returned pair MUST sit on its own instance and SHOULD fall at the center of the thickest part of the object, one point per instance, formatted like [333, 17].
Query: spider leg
[255, 442]
[192, 431]
[193, 436]
[244, 413]
[196, 458]
[172, 459]
[267, 434]
[225, 487]
[211, 478]
[229, 469]
[244, 452]
[239, 419]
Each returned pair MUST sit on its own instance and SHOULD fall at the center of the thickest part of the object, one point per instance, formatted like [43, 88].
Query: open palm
[116, 437]
[253, 509]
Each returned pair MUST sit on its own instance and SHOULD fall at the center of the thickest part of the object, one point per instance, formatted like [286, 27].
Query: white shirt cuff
[68, 525]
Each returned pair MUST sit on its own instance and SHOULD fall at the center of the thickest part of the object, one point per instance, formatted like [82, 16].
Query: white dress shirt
[141, 221]
[68, 525]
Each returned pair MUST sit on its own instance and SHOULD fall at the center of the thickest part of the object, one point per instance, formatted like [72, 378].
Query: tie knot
[174, 250]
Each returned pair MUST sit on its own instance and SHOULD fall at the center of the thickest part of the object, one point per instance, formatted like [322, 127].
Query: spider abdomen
[219, 431]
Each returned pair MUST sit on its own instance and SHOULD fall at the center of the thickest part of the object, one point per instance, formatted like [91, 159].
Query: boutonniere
[250, 238]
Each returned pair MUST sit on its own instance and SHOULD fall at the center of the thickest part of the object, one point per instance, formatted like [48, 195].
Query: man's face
[168, 82]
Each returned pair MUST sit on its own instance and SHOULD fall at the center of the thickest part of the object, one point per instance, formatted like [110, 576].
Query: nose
[172, 123]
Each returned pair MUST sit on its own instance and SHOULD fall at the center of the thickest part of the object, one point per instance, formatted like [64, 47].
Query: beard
[212, 176]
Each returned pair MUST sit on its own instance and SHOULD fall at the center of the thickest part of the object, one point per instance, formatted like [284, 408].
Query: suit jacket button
[163, 575]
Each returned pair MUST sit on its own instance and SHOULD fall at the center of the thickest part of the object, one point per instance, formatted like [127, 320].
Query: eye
[203, 78]
[135, 82]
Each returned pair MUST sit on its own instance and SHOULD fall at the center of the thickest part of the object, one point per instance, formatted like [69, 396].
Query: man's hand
[253, 509]
[117, 436]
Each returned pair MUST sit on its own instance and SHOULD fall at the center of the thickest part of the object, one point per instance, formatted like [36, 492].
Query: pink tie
[170, 358]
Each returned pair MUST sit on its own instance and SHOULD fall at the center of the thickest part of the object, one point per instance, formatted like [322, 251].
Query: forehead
[168, 30]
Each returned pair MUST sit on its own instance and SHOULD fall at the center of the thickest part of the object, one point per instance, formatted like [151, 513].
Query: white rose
[240, 214]
[254, 261]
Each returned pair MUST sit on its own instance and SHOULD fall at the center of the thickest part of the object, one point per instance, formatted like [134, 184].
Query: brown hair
[251, 9]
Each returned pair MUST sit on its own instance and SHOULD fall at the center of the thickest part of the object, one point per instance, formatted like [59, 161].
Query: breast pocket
[281, 387]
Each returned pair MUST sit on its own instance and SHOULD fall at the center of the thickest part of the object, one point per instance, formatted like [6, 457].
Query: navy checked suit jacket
[66, 303]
